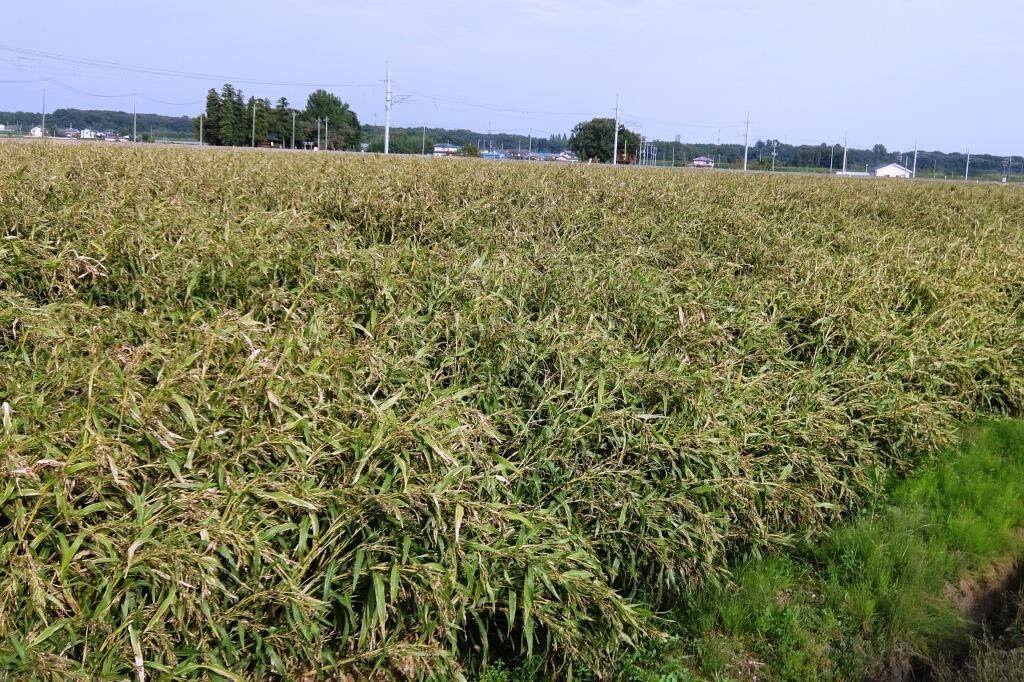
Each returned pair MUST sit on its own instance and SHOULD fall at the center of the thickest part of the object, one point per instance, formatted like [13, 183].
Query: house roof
[891, 165]
[445, 145]
[703, 158]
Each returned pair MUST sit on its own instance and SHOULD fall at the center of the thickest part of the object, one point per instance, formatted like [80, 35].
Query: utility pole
[423, 144]
[318, 134]
[914, 172]
[135, 128]
[746, 143]
[831, 159]
[845, 150]
[387, 108]
[327, 138]
[615, 144]
[293, 129]
[254, 122]
[529, 148]
[201, 115]
[44, 107]
[673, 156]
[775, 146]
[967, 173]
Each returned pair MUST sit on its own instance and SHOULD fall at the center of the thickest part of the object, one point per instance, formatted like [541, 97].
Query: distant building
[445, 149]
[271, 141]
[70, 132]
[36, 132]
[493, 154]
[892, 170]
[87, 134]
[703, 162]
[3, 127]
[564, 157]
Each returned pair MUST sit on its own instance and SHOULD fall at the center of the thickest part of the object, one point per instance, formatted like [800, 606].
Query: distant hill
[118, 121]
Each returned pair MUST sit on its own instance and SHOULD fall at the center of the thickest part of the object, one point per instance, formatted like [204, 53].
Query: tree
[594, 139]
[211, 122]
[280, 122]
[231, 126]
[469, 149]
[402, 143]
[260, 123]
[342, 123]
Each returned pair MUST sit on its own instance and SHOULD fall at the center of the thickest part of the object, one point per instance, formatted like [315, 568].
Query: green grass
[287, 414]
[840, 608]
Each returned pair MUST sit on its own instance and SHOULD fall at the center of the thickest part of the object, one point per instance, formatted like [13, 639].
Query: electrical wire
[125, 96]
[173, 73]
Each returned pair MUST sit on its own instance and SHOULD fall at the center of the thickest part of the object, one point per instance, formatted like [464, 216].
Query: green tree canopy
[229, 120]
[403, 143]
[594, 139]
[342, 123]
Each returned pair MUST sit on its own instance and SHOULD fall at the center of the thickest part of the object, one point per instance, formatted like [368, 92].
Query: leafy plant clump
[287, 415]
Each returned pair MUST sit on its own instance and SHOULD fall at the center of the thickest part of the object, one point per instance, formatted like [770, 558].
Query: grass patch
[291, 415]
[842, 607]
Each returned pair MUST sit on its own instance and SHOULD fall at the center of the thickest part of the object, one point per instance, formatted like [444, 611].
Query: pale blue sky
[944, 73]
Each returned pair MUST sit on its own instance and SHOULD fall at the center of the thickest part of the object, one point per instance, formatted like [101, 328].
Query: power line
[494, 107]
[173, 73]
[125, 95]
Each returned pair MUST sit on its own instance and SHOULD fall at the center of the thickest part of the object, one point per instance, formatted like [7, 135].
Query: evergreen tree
[229, 117]
[281, 122]
[260, 123]
[238, 108]
[211, 124]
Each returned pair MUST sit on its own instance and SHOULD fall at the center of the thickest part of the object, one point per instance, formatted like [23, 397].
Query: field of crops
[270, 413]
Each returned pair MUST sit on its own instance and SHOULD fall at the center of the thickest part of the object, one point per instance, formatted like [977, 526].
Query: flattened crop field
[273, 414]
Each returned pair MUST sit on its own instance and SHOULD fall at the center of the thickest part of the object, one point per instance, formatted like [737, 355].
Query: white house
[892, 170]
[3, 127]
[703, 162]
[36, 132]
[445, 149]
[87, 134]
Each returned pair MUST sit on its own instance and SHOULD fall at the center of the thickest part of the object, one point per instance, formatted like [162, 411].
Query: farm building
[36, 132]
[703, 162]
[87, 134]
[892, 170]
[445, 149]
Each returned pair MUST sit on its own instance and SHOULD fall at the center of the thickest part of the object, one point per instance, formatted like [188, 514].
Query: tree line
[232, 120]
[101, 120]
[420, 140]
[824, 156]
[594, 140]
